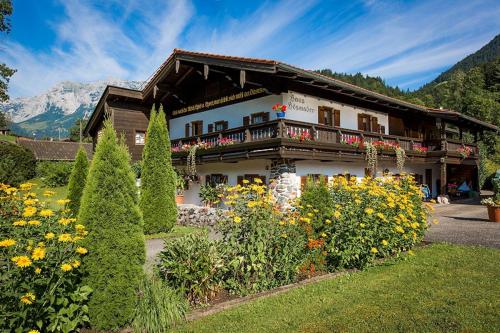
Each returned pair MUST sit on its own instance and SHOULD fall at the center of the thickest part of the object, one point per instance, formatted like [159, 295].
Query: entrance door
[428, 178]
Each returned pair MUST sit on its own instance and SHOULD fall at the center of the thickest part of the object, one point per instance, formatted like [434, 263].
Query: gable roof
[55, 150]
[302, 75]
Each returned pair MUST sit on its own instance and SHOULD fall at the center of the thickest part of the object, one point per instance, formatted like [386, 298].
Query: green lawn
[444, 288]
[8, 138]
[60, 193]
[177, 231]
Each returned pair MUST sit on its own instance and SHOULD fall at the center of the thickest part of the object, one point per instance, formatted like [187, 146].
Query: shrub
[77, 180]
[209, 194]
[54, 173]
[158, 179]
[373, 218]
[109, 209]
[159, 307]
[192, 264]
[40, 254]
[17, 164]
[263, 246]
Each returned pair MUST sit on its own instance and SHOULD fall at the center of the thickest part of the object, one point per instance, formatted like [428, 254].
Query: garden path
[464, 223]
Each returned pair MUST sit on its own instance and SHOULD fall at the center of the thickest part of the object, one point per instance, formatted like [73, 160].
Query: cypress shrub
[109, 209]
[77, 180]
[158, 178]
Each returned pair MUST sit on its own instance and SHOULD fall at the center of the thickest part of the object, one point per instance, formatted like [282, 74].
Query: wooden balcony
[284, 138]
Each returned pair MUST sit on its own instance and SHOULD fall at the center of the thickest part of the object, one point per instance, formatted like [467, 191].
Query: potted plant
[493, 203]
[209, 195]
[280, 110]
[180, 186]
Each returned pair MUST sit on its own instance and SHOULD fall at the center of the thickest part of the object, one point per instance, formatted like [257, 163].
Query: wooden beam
[177, 66]
[243, 75]
[184, 76]
[205, 71]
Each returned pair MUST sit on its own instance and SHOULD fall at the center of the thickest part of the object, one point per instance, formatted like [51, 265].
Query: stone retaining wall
[196, 216]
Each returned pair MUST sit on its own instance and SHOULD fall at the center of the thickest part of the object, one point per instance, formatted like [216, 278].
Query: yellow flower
[328, 221]
[29, 211]
[65, 238]
[252, 204]
[391, 204]
[362, 225]
[245, 181]
[34, 331]
[399, 229]
[64, 221]
[237, 219]
[34, 222]
[336, 214]
[62, 201]
[384, 242]
[323, 235]
[81, 250]
[310, 214]
[23, 261]
[29, 202]
[281, 222]
[46, 213]
[7, 242]
[374, 250]
[26, 186]
[75, 264]
[28, 298]
[284, 235]
[414, 225]
[435, 221]
[369, 211]
[19, 223]
[66, 267]
[381, 216]
[38, 253]
[49, 193]
[411, 253]
[257, 181]
[357, 201]
[38, 270]
[49, 235]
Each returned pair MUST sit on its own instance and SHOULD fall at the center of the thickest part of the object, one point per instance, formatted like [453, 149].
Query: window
[259, 117]
[251, 178]
[140, 137]
[216, 179]
[364, 122]
[314, 178]
[328, 116]
[196, 128]
[220, 125]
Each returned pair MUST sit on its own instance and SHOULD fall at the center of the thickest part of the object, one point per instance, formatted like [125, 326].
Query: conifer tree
[77, 180]
[158, 178]
[110, 212]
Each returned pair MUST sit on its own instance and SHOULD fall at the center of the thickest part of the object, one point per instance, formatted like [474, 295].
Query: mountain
[55, 111]
[487, 53]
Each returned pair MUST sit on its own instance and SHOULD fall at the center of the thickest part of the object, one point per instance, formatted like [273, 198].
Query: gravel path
[464, 223]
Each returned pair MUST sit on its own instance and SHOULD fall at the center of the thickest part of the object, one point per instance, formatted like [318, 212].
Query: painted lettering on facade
[297, 102]
[215, 102]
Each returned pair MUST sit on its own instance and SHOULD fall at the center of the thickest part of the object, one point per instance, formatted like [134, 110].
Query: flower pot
[179, 199]
[494, 213]
[280, 115]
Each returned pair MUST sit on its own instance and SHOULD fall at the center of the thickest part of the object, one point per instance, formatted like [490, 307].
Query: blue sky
[408, 43]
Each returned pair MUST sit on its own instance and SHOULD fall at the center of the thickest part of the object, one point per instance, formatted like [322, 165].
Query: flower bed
[263, 245]
[40, 258]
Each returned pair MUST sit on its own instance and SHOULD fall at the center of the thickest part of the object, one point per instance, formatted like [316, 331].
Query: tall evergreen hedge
[109, 209]
[77, 180]
[158, 178]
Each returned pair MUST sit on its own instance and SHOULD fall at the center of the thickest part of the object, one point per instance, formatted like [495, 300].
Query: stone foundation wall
[283, 183]
[196, 216]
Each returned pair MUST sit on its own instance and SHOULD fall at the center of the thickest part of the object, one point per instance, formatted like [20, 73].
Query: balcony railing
[291, 131]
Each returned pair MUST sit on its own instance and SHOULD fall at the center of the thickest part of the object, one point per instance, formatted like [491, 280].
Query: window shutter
[360, 122]
[240, 180]
[226, 125]
[224, 179]
[246, 121]
[336, 118]
[374, 123]
[186, 131]
[210, 128]
[321, 115]
[382, 129]
[265, 116]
